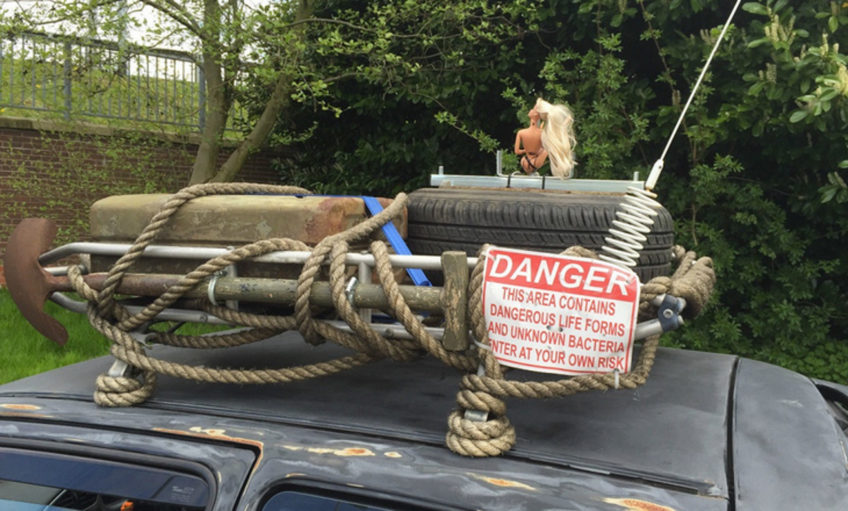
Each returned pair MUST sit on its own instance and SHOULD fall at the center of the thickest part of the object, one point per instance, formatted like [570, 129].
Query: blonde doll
[557, 137]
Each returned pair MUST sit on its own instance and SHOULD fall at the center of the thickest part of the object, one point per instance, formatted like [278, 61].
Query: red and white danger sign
[558, 314]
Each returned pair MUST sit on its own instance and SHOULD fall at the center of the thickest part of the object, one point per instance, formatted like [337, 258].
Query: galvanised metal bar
[283, 292]
[424, 262]
[32, 72]
[535, 182]
[2, 53]
[12, 74]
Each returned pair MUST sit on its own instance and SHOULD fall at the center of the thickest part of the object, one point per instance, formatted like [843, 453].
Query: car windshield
[298, 501]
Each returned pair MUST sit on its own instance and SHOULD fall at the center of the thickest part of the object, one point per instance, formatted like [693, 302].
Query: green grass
[24, 351]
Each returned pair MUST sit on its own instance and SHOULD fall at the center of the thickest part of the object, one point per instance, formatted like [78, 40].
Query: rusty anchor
[29, 284]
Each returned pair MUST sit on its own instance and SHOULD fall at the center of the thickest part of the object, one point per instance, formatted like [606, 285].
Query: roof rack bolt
[119, 369]
[669, 312]
[350, 288]
[476, 415]
[668, 317]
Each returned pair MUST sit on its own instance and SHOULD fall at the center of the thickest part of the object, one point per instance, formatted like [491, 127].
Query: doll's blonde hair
[558, 137]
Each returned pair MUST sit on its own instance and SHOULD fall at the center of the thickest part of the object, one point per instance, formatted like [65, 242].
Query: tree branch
[178, 13]
[266, 122]
[331, 21]
[71, 14]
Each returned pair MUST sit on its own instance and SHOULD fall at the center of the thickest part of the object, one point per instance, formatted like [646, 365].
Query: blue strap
[395, 239]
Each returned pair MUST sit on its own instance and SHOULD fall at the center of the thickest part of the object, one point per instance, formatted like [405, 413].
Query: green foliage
[755, 176]
[609, 105]
[382, 93]
[416, 80]
[772, 215]
[836, 189]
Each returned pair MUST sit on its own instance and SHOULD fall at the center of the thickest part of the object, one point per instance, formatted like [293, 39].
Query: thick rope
[693, 280]
[205, 270]
[401, 311]
[483, 392]
[372, 340]
[126, 390]
[310, 269]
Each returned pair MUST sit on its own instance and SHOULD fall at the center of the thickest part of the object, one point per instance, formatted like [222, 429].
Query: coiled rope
[483, 392]
[693, 280]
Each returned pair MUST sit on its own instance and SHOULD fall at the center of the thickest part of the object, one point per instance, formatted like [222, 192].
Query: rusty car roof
[681, 438]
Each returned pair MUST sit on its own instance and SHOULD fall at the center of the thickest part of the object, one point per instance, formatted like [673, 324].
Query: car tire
[441, 219]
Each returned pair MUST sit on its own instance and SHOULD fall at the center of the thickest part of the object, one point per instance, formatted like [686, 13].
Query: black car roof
[671, 434]
[614, 431]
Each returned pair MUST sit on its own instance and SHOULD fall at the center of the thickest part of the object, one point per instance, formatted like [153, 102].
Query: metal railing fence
[72, 77]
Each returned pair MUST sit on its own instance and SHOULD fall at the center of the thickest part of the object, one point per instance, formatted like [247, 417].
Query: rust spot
[392, 454]
[354, 451]
[333, 215]
[503, 483]
[347, 451]
[209, 431]
[20, 407]
[638, 505]
[320, 450]
[218, 434]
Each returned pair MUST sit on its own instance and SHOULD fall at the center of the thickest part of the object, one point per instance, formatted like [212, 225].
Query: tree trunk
[259, 133]
[205, 164]
[206, 160]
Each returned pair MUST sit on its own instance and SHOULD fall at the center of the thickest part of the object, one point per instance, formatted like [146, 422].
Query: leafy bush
[755, 178]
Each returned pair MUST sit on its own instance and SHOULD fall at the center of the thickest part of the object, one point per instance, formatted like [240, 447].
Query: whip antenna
[658, 165]
[635, 217]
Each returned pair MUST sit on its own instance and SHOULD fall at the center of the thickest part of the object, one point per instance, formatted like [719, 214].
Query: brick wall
[79, 153]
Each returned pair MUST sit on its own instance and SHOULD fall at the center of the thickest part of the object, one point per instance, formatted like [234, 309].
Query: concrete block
[226, 220]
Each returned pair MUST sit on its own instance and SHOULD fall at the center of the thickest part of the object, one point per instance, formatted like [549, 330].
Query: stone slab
[223, 221]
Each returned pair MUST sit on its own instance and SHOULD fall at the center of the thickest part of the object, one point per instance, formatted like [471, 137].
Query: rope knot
[115, 391]
[479, 438]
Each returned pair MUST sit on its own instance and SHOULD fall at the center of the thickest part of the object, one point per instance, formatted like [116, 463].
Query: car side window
[43, 480]
[299, 501]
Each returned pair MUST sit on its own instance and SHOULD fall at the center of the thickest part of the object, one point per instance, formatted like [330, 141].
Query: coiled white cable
[634, 219]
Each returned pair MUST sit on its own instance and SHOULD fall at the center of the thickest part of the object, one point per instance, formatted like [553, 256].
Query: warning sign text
[559, 314]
